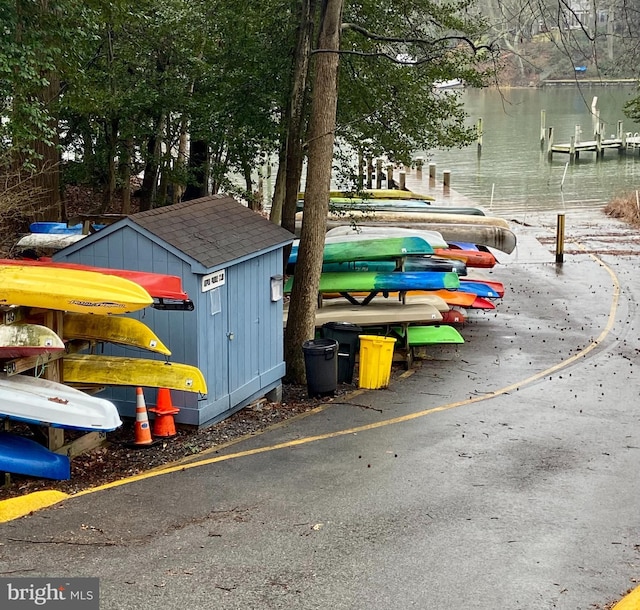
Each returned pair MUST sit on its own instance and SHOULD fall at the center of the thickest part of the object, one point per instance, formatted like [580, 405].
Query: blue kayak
[479, 289]
[20, 455]
[58, 228]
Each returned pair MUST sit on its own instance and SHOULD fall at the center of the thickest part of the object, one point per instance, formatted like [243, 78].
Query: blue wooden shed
[230, 259]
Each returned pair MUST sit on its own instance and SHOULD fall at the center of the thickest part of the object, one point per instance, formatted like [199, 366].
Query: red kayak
[166, 290]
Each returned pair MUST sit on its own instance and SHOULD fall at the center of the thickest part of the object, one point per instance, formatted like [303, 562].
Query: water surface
[512, 175]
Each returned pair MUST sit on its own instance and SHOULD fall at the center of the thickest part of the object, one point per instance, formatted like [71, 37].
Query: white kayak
[335, 234]
[44, 402]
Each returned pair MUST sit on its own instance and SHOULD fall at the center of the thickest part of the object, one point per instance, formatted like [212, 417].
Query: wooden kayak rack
[48, 366]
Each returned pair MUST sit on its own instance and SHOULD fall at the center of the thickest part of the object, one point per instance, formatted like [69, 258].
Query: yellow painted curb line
[19, 507]
[630, 601]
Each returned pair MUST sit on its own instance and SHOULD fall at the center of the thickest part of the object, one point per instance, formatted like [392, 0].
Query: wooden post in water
[446, 181]
[623, 140]
[560, 239]
[402, 177]
[419, 164]
[543, 120]
[550, 144]
[572, 149]
[479, 133]
[378, 173]
[432, 174]
[599, 149]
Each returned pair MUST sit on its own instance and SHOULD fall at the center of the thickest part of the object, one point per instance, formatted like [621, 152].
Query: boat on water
[112, 329]
[40, 401]
[20, 455]
[70, 290]
[23, 340]
[101, 370]
[166, 290]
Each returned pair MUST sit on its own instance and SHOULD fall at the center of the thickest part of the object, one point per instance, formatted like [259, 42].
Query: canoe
[20, 455]
[166, 290]
[376, 313]
[47, 241]
[40, 401]
[379, 248]
[101, 370]
[360, 281]
[426, 218]
[496, 237]
[379, 194]
[70, 290]
[433, 238]
[21, 340]
[346, 204]
[471, 258]
[427, 297]
[112, 329]
[411, 263]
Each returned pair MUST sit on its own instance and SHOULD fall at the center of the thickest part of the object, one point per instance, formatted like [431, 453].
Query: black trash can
[346, 334]
[321, 366]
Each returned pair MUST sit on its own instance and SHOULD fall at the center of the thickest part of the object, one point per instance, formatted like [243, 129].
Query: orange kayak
[472, 258]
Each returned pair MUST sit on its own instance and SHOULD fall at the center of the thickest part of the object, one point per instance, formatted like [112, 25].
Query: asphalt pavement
[501, 473]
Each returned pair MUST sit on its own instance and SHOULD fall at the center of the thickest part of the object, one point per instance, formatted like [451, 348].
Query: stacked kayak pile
[52, 318]
[399, 255]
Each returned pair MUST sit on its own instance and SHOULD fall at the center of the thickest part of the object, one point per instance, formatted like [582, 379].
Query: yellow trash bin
[376, 357]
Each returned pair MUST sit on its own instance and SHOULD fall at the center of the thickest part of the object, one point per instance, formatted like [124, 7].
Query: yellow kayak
[70, 290]
[113, 329]
[89, 369]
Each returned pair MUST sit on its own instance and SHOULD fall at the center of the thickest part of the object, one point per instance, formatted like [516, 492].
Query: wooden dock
[622, 142]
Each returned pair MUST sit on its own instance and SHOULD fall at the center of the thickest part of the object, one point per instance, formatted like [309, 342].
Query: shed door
[243, 334]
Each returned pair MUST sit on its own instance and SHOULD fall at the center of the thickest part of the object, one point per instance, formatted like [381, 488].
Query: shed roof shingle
[212, 230]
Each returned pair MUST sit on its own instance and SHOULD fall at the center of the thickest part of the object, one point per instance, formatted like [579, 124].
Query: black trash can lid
[342, 326]
[319, 345]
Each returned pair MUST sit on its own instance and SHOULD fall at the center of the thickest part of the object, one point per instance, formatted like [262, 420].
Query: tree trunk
[302, 307]
[125, 177]
[277, 203]
[111, 138]
[295, 126]
[198, 156]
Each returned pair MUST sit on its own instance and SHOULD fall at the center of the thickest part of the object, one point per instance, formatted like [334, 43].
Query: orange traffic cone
[164, 425]
[141, 428]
